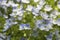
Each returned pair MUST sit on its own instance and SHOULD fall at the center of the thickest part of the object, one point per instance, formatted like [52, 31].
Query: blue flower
[1, 0]
[14, 7]
[44, 24]
[49, 37]
[35, 11]
[58, 22]
[57, 35]
[2, 36]
[24, 26]
[6, 27]
[44, 15]
[9, 37]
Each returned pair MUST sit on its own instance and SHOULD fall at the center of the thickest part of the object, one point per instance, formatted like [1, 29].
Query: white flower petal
[44, 15]
[25, 1]
[29, 8]
[36, 0]
[42, 2]
[58, 5]
[47, 8]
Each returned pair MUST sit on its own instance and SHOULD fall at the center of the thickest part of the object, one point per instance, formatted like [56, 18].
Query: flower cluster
[34, 16]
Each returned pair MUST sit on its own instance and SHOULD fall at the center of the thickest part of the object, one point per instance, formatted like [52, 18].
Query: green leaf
[2, 10]
[9, 10]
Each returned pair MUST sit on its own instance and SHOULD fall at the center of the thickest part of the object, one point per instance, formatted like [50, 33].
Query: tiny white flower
[58, 5]
[2, 36]
[44, 24]
[42, 2]
[36, 14]
[57, 35]
[29, 8]
[21, 7]
[47, 8]
[9, 3]
[58, 22]
[20, 13]
[35, 11]
[13, 14]
[25, 1]
[3, 3]
[6, 27]
[14, 5]
[9, 37]
[54, 21]
[36, 0]
[39, 7]
[39, 25]
[15, 22]
[18, 0]
[56, 32]
[55, 0]
[49, 37]
[21, 27]
[42, 28]
[54, 14]
[20, 18]
[48, 27]
[8, 24]
[5, 16]
[15, 10]
[34, 17]
[44, 15]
